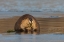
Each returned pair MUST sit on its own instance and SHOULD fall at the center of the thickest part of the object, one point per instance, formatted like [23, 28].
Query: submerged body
[27, 23]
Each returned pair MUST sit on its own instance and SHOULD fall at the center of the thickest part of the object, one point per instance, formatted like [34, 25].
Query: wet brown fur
[18, 23]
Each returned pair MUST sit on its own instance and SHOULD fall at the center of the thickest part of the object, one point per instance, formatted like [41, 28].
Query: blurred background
[32, 5]
[43, 8]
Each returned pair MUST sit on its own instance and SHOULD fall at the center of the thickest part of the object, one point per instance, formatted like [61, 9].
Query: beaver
[26, 23]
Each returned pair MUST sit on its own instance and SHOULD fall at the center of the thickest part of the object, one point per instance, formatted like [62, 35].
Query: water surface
[10, 37]
[35, 14]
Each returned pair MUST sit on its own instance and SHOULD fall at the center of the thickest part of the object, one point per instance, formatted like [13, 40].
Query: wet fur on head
[18, 23]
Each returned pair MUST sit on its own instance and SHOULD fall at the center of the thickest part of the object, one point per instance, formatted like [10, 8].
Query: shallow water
[11, 37]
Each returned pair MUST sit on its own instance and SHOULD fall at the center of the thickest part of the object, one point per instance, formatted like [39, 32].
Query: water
[12, 37]
[35, 14]
[31, 38]
[32, 5]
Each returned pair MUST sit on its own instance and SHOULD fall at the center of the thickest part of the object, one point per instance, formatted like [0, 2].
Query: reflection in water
[34, 32]
[31, 38]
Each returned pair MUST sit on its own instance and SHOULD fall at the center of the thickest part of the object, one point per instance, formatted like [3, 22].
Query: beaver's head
[26, 22]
